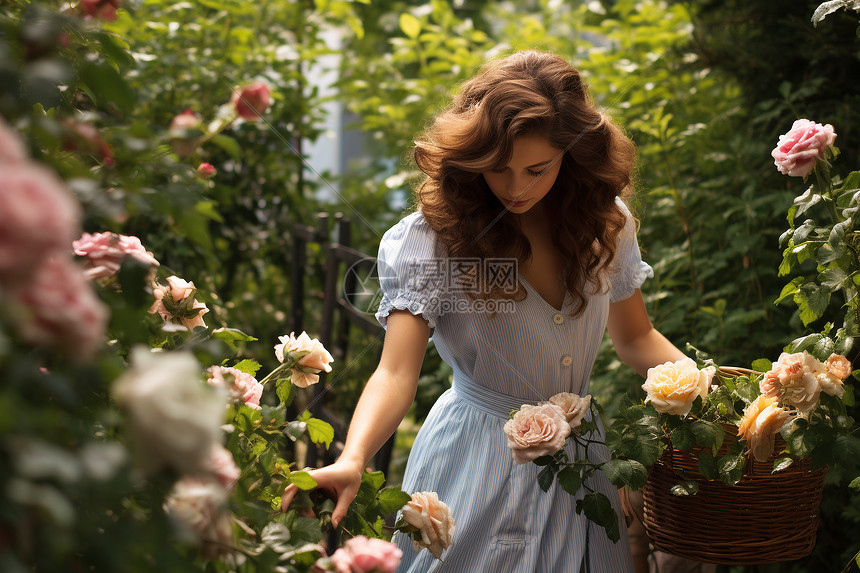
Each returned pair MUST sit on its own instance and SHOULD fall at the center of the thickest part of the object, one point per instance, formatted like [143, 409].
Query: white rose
[174, 416]
[433, 520]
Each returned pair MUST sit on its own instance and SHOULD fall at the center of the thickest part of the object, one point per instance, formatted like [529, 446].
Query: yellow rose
[761, 421]
[673, 387]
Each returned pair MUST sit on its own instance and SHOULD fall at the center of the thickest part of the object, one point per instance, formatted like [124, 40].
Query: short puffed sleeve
[627, 271]
[410, 269]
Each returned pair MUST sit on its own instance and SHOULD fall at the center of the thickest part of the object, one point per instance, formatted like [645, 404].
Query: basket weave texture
[765, 518]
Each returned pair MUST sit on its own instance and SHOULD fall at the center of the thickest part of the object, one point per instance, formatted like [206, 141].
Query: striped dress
[520, 354]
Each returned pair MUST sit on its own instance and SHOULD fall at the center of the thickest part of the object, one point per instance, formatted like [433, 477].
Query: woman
[522, 171]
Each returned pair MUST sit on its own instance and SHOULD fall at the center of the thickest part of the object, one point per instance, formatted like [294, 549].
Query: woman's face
[528, 177]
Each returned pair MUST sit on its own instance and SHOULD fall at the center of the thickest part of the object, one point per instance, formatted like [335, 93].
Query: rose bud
[206, 170]
[251, 101]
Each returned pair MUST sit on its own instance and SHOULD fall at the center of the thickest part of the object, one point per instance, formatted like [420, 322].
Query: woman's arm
[383, 404]
[636, 340]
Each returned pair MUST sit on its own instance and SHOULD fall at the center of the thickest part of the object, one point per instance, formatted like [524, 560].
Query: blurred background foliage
[704, 88]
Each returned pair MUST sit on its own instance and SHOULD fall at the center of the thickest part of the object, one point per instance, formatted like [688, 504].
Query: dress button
[566, 360]
[558, 318]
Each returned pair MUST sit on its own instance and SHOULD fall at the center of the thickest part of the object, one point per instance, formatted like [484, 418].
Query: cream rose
[536, 431]
[573, 406]
[674, 386]
[243, 387]
[174, 417]
[761, 421]
[433, 520]
[315, 358]
[105, 253]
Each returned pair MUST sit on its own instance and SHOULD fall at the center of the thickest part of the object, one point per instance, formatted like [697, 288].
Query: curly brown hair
[528, 92]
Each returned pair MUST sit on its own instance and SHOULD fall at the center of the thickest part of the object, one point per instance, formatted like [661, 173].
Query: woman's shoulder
[412, 237]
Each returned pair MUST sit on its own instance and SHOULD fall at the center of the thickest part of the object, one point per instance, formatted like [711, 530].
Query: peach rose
[176, 302]
[363, 555]
[251, 101]
[314, 358]
[838, 366]
[674, 386]
[59, 309]
[106, 251]
[243, 386]
[794, 381]
[200, 507]
[433, 520]
[536, 431]
[799, 150]
[761, 421]
[573, 406]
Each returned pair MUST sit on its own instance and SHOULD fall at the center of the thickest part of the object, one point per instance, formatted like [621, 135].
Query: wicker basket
[765, 518]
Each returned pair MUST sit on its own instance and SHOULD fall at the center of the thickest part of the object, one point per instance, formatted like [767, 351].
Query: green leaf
[228, 144]
[302, 480]
[545, 478]
[812, 301]
[570, 479]
[319, 431]
[598, 509]
[247, 366]
[284, 391]
[107, 86]
[822, 11]
[781, 463]
[543, 460]
[628, 473]
[731, 468]
[708, 434]
[708, 465]
[683, 439]
[687, 487]
[833, 278]
[391, 500]
[762, 365]
[855, 484]
[232, 336]
[410, 25]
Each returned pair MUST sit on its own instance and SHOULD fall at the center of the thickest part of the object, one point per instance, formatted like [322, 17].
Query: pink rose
[205, 170]
[106, 251]
[222, 466]
[200, 506]
[434, 522]
[251, 101]
[59, 309]
[243, 387]
[185, 120]
[38, 216]
[761, 421]
[793, 380]
[176, 302]
[312, 358]
[573, 406]
[100, 9]
[674, 386]
[536, 431]
[800, 149]
[12, 148]
[363, 555]
[86, 138]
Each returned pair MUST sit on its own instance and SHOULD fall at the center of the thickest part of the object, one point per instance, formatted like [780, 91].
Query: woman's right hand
[340, 480]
